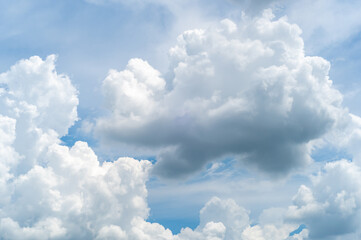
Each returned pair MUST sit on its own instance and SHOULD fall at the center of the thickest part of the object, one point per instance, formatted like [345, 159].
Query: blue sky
[230, 101]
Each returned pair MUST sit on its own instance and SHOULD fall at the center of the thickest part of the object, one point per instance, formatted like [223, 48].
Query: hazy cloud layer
[245, 90]
[329, 26]
[256, 6]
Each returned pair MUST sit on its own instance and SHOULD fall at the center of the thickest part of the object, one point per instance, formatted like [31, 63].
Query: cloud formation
[332, 207]
[38, 105]
[66, 193]
[50, 191]
[246, 91]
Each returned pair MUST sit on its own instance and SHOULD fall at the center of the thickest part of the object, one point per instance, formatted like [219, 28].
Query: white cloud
[49, 228]
[82, 199]
[34, 88]
[243, 90]
[226, 212]
[49, 191]
[330, 209]
[40, 104]
[62, 193]
[332, 206]
[224, 219]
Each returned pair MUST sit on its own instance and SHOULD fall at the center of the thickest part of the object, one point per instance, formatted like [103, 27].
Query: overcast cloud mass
[242, 107]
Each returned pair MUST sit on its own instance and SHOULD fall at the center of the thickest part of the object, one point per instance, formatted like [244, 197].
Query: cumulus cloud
[329, 209]
[332, 207]
[66, 193]
[224, 219]
[50, 191]
[76, 197]
[244, 90]
[38, 105]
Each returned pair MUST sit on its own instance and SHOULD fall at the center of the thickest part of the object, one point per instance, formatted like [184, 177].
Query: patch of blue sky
[345, 66]
[345, 60]
[77, 131]
[151, 158]
[174, 223]
[298, 230]
[4, 86]
[177, 204]
[173, 208]
[330, 154]
[74, 136]
[159, 208]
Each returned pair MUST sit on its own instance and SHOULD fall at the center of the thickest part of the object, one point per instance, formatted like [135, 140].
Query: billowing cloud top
[37, 106]
[245, 90]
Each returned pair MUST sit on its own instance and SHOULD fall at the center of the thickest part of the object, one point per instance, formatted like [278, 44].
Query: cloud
[66, 193]
[245, 90]
[50, 191]
[38, 105]
[75, 197]
[332, 206]
[329, 208]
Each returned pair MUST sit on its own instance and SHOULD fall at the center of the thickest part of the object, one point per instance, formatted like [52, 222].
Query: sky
[180, 120]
